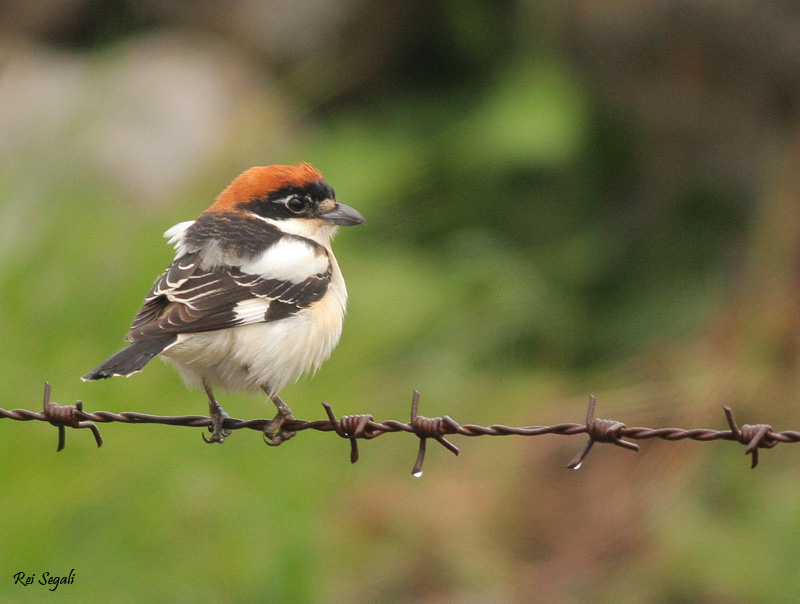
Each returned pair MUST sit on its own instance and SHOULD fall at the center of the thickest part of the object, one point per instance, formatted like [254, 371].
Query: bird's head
[289, 195]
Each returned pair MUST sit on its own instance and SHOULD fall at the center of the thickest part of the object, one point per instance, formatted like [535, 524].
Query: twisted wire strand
[363, 427]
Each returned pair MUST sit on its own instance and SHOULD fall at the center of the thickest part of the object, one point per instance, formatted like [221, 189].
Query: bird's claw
[274, 434]
[218, 434]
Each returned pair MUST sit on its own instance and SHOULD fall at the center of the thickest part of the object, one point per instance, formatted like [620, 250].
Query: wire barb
[430, 427]
[754, 436]
[63, 416]
[352, 427]
[602, 431]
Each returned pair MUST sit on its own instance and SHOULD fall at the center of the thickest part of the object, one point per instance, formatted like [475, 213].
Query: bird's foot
[274, 433]
[218, 417]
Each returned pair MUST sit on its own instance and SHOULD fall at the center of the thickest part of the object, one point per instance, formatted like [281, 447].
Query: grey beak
[343, 215]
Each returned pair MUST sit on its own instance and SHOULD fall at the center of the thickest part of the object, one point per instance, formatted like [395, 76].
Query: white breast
[290, 259]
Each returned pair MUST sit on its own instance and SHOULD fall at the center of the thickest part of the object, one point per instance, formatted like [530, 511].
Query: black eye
[296, 204]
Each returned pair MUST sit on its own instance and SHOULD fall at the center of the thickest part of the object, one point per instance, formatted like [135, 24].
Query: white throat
[310, 228]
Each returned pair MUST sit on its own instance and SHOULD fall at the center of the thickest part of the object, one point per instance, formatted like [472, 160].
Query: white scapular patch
[289, 259]
[251, 310]
[175, 235]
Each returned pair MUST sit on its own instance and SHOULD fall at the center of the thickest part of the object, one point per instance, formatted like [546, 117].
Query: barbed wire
[364, 427]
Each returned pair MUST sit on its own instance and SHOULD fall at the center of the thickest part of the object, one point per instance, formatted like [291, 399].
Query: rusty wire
[364, 427]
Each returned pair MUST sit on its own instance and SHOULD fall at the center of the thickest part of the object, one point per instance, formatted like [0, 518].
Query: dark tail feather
[131, 359]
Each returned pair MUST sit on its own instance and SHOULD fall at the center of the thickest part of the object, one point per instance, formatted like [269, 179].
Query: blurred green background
[562, 198]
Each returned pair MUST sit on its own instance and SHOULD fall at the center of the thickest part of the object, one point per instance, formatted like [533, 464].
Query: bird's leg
[274, 434]
[218, 417]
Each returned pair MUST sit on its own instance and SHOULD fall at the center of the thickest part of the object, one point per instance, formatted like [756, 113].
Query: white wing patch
[175, 236]
[251, 311]
[289, 259]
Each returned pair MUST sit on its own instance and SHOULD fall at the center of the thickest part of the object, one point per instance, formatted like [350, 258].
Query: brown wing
[188, 298]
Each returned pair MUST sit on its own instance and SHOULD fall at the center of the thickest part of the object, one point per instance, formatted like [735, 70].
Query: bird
[254, 297]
